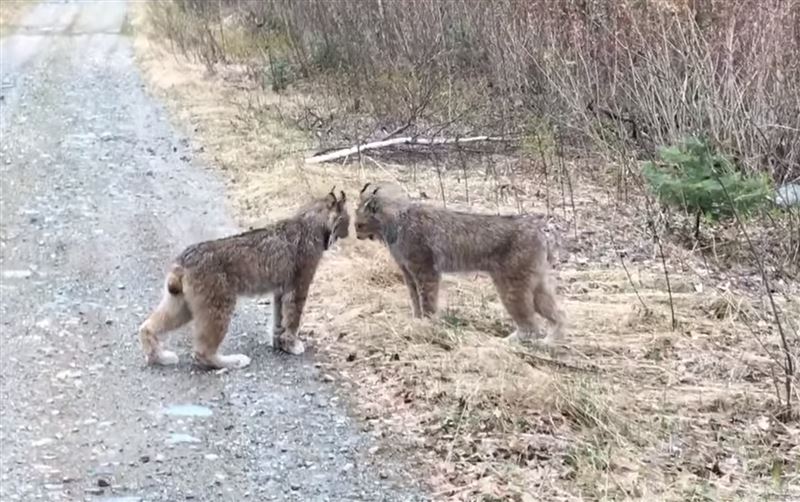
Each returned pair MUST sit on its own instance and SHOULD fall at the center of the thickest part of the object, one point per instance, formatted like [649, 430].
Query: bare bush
[646, 73]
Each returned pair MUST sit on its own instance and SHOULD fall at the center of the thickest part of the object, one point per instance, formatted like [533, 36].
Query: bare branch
[406, 140]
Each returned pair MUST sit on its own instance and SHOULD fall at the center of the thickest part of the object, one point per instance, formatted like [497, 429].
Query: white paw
[237, 361]
[522, 336]
[553, 339]
[164, 358]
[295, 347]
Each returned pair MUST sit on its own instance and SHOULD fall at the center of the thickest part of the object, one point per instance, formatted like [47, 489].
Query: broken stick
[407, 140]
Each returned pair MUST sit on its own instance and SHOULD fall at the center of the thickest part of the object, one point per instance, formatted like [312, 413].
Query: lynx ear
[365, 187]
[372, 205]
[330, 199]
[342, 198]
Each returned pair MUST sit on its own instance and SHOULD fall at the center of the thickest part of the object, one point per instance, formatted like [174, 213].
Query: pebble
[17, 274]
[188, 410]
[44, 324]
[178, 438]
[42, 442]
[64, 374]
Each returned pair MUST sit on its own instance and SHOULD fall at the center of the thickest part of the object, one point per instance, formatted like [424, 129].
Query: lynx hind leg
[212, 318]
[171, 314]
[517, 298]
[546, 303]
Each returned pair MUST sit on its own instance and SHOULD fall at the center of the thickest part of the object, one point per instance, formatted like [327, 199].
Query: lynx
[426, 242]
[206, 279]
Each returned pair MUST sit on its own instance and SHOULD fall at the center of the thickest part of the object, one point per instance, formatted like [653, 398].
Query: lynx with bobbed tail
[428, 241]
[207, 278]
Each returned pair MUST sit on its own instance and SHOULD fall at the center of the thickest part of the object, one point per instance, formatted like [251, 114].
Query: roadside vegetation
[662, 140]
[11, 12]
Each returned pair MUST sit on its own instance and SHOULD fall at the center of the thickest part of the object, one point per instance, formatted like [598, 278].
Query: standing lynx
[427, 241]
[206, 279]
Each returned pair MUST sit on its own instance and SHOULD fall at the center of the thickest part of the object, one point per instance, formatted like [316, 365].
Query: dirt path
[98, 193]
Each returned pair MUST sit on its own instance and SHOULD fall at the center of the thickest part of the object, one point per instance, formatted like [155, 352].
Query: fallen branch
[389, 135]
[406, 140]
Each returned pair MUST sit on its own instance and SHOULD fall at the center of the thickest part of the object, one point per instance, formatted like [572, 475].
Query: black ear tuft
[365, 187]
[330, 200]
[376, 190]
[342, 197]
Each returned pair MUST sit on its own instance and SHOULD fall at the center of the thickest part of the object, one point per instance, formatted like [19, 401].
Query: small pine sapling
[704, 182]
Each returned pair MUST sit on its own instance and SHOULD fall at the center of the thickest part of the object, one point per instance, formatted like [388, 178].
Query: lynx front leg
[277, 317]
[293, 303]
[427, 282]
[412, 291]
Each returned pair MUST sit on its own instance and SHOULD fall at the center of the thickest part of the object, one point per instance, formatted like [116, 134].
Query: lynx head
[389, 190]
[337, 223]
[368, 214]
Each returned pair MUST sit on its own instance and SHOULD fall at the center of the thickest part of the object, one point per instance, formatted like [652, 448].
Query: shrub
[279, 74]
[692, 175]
[626, 75]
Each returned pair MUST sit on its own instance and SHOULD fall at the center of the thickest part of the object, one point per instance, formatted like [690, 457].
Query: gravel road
[98, 194]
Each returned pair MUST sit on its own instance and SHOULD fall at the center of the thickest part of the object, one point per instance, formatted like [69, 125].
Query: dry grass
[11, 12]
[629, 410]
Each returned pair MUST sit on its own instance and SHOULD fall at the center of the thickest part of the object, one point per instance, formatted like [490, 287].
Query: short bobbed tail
[175, 280]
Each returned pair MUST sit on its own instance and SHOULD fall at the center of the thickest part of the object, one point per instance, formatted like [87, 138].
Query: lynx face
[368, 224]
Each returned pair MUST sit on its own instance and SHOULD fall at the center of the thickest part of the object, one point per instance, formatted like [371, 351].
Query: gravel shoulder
[98, 194]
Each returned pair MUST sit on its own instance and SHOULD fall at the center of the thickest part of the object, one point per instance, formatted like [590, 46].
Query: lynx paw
[553, 339]
[234, 361]
[295, 347]
[163, 358]
[520, 336]
[217, 361]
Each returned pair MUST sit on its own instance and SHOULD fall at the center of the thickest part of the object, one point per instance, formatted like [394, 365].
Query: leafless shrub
[645, 73]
